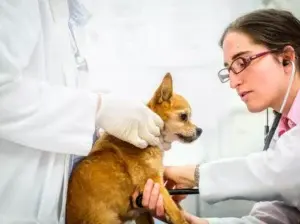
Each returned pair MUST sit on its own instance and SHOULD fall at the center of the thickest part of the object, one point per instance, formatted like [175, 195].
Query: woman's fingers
[169, 184]
[147, 193]
[154, 195]
[179, 198]
[152, 199]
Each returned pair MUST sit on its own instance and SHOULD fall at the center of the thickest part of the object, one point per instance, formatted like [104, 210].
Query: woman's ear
[288, 54]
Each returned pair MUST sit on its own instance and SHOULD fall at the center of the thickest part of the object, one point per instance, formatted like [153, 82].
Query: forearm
[185, 174]
[34, 113]
[262, 176]
[45, 117]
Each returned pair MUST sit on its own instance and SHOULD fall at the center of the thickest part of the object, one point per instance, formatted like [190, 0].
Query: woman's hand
[152, 200]
[176, 177]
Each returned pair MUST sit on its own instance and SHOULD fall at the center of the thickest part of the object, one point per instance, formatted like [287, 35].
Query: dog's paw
[168, 219]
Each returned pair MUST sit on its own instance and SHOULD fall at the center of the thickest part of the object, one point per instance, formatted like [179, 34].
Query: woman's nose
[234, 80]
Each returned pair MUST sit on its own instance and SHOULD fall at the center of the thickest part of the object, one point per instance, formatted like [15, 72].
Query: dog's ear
[165, 90]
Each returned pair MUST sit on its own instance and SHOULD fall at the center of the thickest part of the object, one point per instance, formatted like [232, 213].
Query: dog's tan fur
[102, 183]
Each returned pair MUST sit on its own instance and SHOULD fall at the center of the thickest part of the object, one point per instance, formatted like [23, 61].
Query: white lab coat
[271, 175]
[274, 212]
[41, 120]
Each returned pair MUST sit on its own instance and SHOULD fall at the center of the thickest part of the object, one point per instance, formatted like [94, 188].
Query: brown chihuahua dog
[101, 185]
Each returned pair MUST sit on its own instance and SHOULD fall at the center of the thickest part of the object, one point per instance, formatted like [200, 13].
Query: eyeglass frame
[246, 60]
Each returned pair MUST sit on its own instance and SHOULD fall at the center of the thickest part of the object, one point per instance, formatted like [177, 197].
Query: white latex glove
[129, 120]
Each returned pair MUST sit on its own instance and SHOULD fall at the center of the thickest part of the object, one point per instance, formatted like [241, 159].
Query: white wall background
[130, 45]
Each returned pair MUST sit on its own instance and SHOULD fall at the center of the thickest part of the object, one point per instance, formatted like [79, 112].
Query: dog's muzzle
[190, 138]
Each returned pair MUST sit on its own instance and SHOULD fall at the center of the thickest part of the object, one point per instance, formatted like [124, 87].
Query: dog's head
[175, 112]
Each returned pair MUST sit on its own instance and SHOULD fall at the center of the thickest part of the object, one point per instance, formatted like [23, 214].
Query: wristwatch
[196, 175]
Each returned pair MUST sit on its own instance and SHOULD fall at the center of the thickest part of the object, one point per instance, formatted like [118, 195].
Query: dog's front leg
[173, 212]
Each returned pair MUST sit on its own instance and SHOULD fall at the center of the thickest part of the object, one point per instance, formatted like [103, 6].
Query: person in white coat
[262, 59]
[44, 117]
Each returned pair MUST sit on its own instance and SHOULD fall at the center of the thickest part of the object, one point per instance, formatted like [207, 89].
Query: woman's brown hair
[273, 28]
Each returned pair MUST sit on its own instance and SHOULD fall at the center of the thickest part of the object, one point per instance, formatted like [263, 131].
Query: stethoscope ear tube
[272, 131]
[279, 114]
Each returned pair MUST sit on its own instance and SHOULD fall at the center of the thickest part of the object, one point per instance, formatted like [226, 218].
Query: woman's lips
[245, 95]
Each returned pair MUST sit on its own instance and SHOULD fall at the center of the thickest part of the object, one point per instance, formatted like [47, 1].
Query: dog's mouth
[186, 139]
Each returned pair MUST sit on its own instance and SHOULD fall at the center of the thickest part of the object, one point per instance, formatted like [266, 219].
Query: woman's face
[263, 82]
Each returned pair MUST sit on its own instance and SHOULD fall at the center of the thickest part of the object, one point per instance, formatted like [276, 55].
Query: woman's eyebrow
[236, 56]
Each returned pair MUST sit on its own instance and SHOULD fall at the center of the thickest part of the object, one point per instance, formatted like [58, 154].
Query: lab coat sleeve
[262, 176]
[274, 212]
[34, 113]
[243, 220]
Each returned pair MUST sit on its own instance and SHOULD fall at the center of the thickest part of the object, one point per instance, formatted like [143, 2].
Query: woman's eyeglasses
[240, 64]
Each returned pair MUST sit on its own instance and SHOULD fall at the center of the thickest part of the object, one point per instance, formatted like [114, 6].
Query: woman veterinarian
[261, 57]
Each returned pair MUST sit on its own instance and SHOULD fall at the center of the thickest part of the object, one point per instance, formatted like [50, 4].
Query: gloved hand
[129, 120]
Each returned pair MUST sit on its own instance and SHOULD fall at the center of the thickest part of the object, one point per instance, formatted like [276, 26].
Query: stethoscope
[268, 139]
[278, 115]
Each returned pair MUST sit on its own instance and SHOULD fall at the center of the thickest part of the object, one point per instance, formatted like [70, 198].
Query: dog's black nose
[198, 131]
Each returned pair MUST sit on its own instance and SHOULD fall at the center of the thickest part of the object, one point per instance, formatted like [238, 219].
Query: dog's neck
[166, 141]
[105, 137]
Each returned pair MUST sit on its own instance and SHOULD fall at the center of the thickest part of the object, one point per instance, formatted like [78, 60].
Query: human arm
[153, 201]
[32, 112]
[267, 175]
[50, 117]
[274, 212]
[263, 176]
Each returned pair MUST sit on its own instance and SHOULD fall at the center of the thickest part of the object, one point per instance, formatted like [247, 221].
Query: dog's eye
[184, 117]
